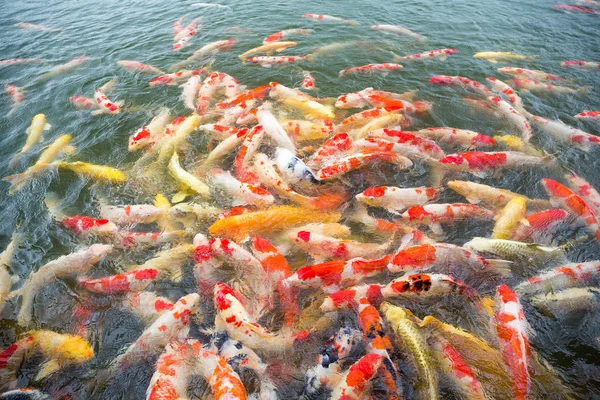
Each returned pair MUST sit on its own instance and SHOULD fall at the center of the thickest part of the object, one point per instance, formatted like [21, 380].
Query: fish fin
[481, 174]
[180, 196]
[443, 58]
[47, 126]
[436, 228]
[473, 200]
[68, 150]
[97, 112]
[28, 131]
[571, 243]
[177, 276]
[48, 368]
[493, 60]
[267, 65]
[438, 173]
[501, 267]
[523, 221]
[17, 181]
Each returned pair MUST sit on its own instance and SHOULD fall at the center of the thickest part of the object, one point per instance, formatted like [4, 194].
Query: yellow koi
[495, 56]
[96, 172]
[517, 144]
[34, 136]
[509, 217]
[185, 179]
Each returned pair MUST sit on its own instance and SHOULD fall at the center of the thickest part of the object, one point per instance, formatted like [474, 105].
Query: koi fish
[586, 191]
[466, 83]
[252, 94]
[186, 179]
[240, 227]
[14, 61]
[483, 164]
[571, 8]
[399, 30]
[328, 18]
[531, 74]
[589, 116]
[568, 200]
[172, 79]
[275, 37]
[96, 172]
[508, 218]
[508, 92]
[515, 143]
[563, 277]
[369, 68]
[34, 136]
[5, 265]
[269, 61]
[104, 104]
[88, 226]
[240, 193]
[134, 281]
[342, 166]
[495, 56]
[332, 150]
[136, 66]
[27, 25]
[294, 170]
[60, 145]
[568, 302]
[302, 130]
[269, 49]
[134, 214]
[394, 199]
[227, 146]
[433, 215]
[273, 129]
[567, 134]
[476, 193]
[210, 5]
[405, 143]
[59, 350]
[131, 240]
[185, 35]
[16, 94]
[210, 85]
[224, 383]
[308, 82]
[150, 133]
[74, 264]
[513, 117]
[541, 226]
[190, 89]
[442, 54]
[83, 103]
[356, 382]
[583, 65]
[168, 262]
[205, 51]
[461, 137]
[540, 87]
[531, 253]
[64, 68]
[512, 329]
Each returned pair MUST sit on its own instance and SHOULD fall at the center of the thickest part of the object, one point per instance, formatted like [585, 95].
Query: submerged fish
[495, 56]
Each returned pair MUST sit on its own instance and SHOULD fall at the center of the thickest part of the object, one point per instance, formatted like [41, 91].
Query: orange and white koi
[169, 262]
[185, 35]
[395, 199]
[136, 66]
[442, 54]
[369, 68]
[381, 100]
[173, 369]
[205, 51]
[327, 372]
[74, 264]
[131, 214]
[433, 215]
[134, 281]
[531, 74]
[219, 132]
[409, 144]
[83, 103]
[541, 226]
[146, 305]
[268, 61]
[65, 68]
[588, 116]
[586, 191]
[333, 275]
[308, 82]
[84, 226]
[483, 164]
[360, 118]
[248, 148]
[224, 383]
[104, 104]
[150, 133]
[205, 263]
[508, 92]
[59, 351]
[226, 147]
[563, 277]
[513, 331]
[174, 78]
[583, 65]
[328, 18]
[567, 134]
[240, 193]
[332, 150]
[399, 30]
[210, 86]
[404, 149]
[302, 130]
[269, 49]
[275, 37]
[16, 94]
[540, 87]
[569, 201]
[359, 99]
[466, 83]
[190, 89]
[355, 384]
[252, 94]
[513, 117]
[241, 114]
[348, 164]
[461, 137]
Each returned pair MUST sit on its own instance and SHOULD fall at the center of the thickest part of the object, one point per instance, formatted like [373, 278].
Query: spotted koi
[442, 54]
[466, 83]
[460, 137]
[588, 116]
[240, 193]
[370, 68]
[134, 281]
[268, 61]
[173, 369]
[435, 214]
[531, 74]
[563, 277]
[583, 65]
[275, 37]
[567, 134]
[507, 91]
[411, 145]
[150, 133]
[174, 78]
[396, 199]
[483, 164]
[332, 150]
[342, 166]
[541, 87]
[585, 190]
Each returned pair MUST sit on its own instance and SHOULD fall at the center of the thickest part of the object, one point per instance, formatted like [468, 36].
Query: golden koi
[34, 136]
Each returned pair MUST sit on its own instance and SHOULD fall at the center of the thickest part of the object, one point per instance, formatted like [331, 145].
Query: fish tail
[584, 89]
[310, 57]
[52, 203]
[501, 267]
[17, 181]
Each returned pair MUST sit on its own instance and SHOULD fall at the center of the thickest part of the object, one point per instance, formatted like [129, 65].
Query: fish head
[371, 195]
[76, 349]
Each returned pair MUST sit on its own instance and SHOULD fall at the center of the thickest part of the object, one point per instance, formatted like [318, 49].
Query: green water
[108, 31]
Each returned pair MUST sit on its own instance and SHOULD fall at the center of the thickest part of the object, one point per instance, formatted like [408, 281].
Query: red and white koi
[308, 82]
[331, 276]
[171, 325]
[174, 78]
[14, 61]
[241, 164]
[583, 65]
[252, 94]
[540, 87]
[205, 51]
[302, 130]
[147, 305]
[541, 226]
[273, 128]
[134, 281]
[407, 150]
[360, 118]
[190, 89]
[567, 134]
[466, 83]
[224, 383]
[328, 18]
[513, 331]
[132, 240]
[568, 200]
[269, 61]
[370, 68]
[395, 199]
[185, 35]
[359, 99]
[414, 145]
[83, 103]
[588, 116]
[531, 74]
[434, 215]
[332, 150]
[136, 66]
[219, 132]
[355, 384]
[134, 214]
[226, 147]
[210, 86]
[502, 88]
[348, 164]
[74, 264]
[460, 137]
[65, 68]
[571, 8]
[484, 164]
[399, 30]
[240, 193]
[104, 104]
[17, 95]
[150, 133]
[513, 117]
[169, 262]
[84, 226]
[442, 54]
[205, 264]
[275, 37]
[586, 191]
[381, 100]
[563, 277]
